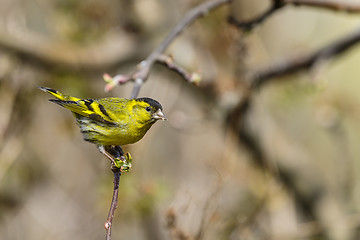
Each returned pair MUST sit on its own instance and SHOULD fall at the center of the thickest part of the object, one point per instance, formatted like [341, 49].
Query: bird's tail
[58, 94]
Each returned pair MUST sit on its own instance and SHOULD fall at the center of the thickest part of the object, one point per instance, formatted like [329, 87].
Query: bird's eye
[148, 109]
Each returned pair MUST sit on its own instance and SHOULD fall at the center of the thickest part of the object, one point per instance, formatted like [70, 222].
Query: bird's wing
[88, 108]
[106, 110]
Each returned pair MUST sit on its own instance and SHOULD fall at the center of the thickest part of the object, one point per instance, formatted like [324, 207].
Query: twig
[168, 62]
[306, 62]
[330, 5]
[43, 52]
[114, 202]
[116, 152]
[250, 24]
[144, 67]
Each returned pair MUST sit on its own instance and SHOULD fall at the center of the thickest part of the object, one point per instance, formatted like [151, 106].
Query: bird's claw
[124, 162]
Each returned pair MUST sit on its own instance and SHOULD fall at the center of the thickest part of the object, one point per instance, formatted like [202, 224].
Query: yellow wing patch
[84, 107]
[87, 108]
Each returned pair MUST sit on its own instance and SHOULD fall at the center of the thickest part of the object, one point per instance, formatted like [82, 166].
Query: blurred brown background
[191, 177]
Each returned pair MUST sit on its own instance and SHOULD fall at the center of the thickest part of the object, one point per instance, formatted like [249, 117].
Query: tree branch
[305, 62]
[168, 62]
[114, 203]
[330, 5]
[276, 5]
[144, 67]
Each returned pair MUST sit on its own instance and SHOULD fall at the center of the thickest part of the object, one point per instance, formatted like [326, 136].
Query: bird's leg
[103, 151]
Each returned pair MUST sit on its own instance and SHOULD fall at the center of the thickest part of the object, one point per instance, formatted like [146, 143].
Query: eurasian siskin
[111, 121]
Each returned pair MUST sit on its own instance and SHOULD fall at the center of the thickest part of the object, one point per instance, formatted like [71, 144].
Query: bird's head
[147, 110]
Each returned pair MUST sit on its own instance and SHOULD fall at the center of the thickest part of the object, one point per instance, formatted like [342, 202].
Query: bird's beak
[158, 115]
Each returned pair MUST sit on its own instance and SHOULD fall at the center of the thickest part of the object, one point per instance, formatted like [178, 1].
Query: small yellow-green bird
[111, 121]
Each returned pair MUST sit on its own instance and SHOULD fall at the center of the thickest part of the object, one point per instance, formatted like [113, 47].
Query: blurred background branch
[114, 49]
[342, 6]
[291, 66]
[278, 4]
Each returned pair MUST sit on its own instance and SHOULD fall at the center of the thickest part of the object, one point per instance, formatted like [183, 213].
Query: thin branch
[276, 5]
[168, 62]
[115, 152]
[114, 203]
[144, 67]
[330, 5]
[162, 59]
[251, 24]
[306, 62]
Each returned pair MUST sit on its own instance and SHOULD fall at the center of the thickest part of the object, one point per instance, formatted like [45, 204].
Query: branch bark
[116, 152]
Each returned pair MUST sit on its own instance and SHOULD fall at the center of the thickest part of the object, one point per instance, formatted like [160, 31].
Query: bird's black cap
[151, 101]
